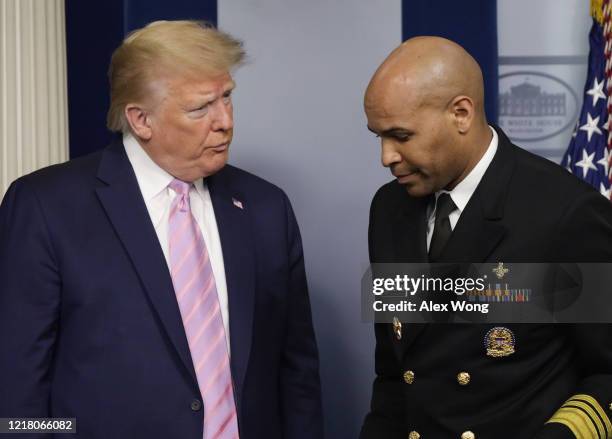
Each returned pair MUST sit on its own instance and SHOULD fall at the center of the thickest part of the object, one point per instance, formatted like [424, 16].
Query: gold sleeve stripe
[578, 422]
[588, 410]
[583, 415]
[579, 425]
[598, 409]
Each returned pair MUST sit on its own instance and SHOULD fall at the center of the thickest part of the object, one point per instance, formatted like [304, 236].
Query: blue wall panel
[140, 12]
[471, 23]
[93, 31]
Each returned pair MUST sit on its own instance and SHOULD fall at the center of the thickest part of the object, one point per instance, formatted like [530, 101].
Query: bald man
[463, 193]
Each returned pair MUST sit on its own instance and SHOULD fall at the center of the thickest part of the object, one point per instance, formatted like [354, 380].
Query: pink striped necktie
[196, 293]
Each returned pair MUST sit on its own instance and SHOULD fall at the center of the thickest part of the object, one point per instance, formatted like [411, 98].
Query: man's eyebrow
[206, 95]
[229, 87]
[393, 131]
[210, 95]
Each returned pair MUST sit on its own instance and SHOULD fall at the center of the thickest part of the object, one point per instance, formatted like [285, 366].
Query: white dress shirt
[462, 193]
[153, 182]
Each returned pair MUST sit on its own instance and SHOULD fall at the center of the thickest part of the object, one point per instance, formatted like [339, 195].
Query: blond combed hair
[165, 47]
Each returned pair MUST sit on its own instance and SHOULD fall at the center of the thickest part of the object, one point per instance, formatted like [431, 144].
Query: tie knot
[179, 186]
[444, 206]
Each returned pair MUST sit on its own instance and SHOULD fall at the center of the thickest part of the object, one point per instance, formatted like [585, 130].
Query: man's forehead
[383, 126]
[213, 86]
[392, 94]
[200, 83]
[390, 105]
[390, 113]
[378, 104]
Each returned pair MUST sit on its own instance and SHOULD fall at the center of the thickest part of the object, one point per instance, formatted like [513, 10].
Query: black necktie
[442, 228]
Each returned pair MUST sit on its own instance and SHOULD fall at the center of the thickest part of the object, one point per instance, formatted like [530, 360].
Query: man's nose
[223, 116]
[389, 154]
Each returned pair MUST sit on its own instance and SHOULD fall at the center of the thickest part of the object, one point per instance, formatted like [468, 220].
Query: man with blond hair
[151, 290]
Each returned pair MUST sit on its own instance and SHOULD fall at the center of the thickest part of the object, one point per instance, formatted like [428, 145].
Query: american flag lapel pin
[237, 203]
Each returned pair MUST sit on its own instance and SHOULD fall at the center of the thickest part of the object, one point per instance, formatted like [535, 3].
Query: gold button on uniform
[468, 435]
[463, 378]
[409, 377]
[414, 435]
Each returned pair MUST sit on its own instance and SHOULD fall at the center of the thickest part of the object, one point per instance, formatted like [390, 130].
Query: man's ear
[139, 120]
[462, 111]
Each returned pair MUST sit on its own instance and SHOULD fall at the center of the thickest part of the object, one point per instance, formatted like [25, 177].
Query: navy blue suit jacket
[89, 323]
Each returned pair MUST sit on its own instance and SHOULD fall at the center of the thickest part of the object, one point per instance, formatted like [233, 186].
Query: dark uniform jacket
[558, 382]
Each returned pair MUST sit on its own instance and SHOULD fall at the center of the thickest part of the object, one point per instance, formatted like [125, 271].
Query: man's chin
[417, 190]
[212, 163]
[201, 171]
[209, 172]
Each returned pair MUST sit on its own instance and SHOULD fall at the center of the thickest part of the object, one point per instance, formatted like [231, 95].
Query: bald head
[433, 71]
[426, 102]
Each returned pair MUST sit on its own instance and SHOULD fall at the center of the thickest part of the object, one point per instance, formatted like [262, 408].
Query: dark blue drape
[140, 12]
[93, 30]
[471, 23]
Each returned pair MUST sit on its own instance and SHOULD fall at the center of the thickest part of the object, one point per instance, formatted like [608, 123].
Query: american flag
[237, 203]
[589, 155]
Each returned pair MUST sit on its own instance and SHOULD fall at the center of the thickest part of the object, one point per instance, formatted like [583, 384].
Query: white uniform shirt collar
[462, 193]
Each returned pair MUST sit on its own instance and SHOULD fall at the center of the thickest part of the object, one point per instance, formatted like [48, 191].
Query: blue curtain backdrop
[471, 23]
[93, 31]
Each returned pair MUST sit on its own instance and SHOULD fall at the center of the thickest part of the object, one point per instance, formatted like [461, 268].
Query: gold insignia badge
[499, 342]
[397, 328]
[500, 271]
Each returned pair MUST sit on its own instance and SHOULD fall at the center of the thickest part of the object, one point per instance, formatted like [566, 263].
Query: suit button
[414, 435]
[468, 435]
[463, 378]
[196, 405]
[409, 377]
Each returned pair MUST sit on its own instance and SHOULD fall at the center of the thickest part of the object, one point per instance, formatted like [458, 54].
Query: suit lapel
[476, 235]
[479, 229]
[410, 231]
[122, 200]
[236, 235]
